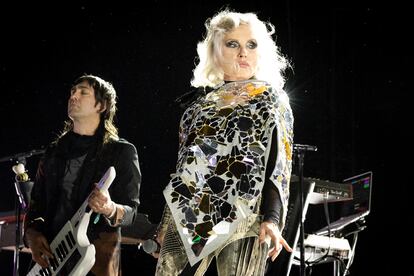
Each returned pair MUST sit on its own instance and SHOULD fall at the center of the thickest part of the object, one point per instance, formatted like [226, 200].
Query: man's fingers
[48, 254]
[46, 248]
[40, 259]
[99, 201]
[42, 262]
[40, 248]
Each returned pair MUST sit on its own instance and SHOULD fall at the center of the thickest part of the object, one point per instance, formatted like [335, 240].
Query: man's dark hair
[105, 94]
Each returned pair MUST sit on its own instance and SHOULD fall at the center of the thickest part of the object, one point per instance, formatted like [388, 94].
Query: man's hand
[39, 246]
[101, 203]
[270, 229]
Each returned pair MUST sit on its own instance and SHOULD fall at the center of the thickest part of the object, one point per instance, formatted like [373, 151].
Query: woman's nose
[242, 52]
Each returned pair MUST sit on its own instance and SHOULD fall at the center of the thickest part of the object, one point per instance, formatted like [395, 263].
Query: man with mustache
[67, 173]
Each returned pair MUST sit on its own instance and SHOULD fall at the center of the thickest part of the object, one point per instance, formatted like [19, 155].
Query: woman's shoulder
[276, 96]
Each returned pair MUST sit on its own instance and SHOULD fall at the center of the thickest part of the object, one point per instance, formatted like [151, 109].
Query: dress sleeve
[272, 204]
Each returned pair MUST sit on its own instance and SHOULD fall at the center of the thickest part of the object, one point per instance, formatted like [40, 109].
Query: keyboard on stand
[322, 249]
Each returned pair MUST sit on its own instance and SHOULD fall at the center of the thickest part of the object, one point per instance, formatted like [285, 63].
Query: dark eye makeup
[251, 44]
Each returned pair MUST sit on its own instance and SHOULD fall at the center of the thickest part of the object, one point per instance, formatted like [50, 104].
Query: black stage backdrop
[348, 88]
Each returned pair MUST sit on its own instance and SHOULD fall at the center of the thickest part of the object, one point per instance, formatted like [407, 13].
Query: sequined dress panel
[225, 139]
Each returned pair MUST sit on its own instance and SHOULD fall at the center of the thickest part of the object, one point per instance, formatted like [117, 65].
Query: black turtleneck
[73, 149]
[73, 145]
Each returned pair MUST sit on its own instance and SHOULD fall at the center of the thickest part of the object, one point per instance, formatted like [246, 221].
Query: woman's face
[239, 55]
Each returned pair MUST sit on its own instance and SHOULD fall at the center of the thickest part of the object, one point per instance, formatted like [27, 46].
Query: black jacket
[124, 189]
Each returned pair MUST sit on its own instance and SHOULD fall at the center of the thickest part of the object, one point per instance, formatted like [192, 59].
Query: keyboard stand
[300, 152]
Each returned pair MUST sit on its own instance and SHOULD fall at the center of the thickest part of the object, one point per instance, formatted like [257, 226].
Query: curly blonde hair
[271, 64]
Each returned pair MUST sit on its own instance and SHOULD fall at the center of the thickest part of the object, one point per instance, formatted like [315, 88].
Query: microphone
[299, 147]
[22, 185]
[151, 246]
[21, 175]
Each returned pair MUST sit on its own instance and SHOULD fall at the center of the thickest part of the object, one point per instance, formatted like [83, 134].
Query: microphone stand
[22, 155]
[20, 203]
[18, 207]
[300, 152]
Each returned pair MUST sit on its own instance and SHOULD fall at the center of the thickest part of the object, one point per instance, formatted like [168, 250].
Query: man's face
[82, 103]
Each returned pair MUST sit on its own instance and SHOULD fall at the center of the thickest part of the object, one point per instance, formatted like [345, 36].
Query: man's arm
[125, 193]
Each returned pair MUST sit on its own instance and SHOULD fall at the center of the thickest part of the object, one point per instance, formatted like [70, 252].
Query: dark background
[348, 88]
